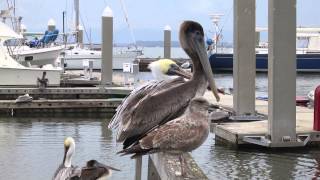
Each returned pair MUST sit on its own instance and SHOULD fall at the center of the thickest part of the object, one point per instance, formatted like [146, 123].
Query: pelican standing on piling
[178, 136]
[93, 170]
[154, 104]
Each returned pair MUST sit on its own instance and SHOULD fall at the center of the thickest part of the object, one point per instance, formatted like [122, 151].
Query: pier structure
[281, 108]
[107, 47]
[244, 57]
[167, 42]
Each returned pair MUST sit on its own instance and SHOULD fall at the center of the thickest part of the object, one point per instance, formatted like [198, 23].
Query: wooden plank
[168, 167]
[70, 103]
[67, 90]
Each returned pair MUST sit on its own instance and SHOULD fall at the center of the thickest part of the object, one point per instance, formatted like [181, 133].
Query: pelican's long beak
[200, 49]
[176, 70]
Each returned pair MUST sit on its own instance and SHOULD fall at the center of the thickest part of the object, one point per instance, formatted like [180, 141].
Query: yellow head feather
[68, 141]
[165, 64]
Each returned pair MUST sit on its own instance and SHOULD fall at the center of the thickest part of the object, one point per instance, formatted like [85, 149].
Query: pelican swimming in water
[93, 170]
[177, 136]
[156, 103]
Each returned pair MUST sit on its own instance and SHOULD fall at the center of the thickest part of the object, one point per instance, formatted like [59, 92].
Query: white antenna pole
[127, 21]
[215, 18]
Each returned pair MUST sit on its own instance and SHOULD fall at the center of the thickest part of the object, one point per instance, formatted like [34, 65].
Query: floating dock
[233, 133]
[62, 100]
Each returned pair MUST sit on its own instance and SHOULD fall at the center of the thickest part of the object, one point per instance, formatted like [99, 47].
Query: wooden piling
[107, 47]
[164, 166]
[244, 69]
[138, 172]
[51, 25]
[167, 42]
[282, 70]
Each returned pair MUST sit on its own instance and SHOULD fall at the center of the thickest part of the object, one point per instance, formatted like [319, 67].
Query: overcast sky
[148, 17]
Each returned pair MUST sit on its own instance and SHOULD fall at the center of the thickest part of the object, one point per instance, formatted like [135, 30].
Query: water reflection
[221, 162]
[32, 148]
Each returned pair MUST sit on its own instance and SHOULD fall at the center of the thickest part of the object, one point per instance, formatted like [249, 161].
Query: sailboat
[40, 55]
[15, 74]
[74, 57]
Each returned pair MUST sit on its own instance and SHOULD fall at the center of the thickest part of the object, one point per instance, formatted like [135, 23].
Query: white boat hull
[74, 58]
[27, 76]
[38, 57]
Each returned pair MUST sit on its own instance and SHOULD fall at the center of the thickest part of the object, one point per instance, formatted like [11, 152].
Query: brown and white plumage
[180, 135]
[66, 170]
[95, 170]
[161, 101]
[92, 171]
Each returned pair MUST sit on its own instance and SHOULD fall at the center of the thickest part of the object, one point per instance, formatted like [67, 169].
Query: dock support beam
[107, 46]
[244, 67]
[282, 70]
[167, 42]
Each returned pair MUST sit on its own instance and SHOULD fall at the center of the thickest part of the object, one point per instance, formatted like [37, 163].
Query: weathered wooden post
[51, 25]
[244, 64]
[282, 71]
[138, 172]
[167, 42]
[107, 46]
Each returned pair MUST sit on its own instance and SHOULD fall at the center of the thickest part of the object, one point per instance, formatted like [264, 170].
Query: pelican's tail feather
[135, 150]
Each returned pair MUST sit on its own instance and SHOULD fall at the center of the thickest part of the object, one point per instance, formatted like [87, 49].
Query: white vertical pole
[107, 46]
[282, 70]
[77, 15]
[244, 63]
[167, 42]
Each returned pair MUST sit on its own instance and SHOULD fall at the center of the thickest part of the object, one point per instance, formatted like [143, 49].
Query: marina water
[32, 147]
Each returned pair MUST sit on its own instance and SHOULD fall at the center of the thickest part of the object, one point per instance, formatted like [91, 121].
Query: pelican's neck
[68, 156]
[199, 77]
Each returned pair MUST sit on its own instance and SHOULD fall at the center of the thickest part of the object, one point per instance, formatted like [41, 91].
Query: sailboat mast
[77, 21]
[127, 21]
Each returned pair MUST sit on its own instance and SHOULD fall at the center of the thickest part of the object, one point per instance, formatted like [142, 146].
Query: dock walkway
[234, 132]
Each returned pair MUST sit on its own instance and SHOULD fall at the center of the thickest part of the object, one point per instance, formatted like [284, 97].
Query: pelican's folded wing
[125, 109]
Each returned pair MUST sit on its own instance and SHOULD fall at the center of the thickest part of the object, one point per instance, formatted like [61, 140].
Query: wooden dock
[234, 132]
[62, 100]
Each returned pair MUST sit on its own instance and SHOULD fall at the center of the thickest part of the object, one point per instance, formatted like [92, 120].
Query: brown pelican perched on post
[156, 103]
[177, 136]
[93, 169]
